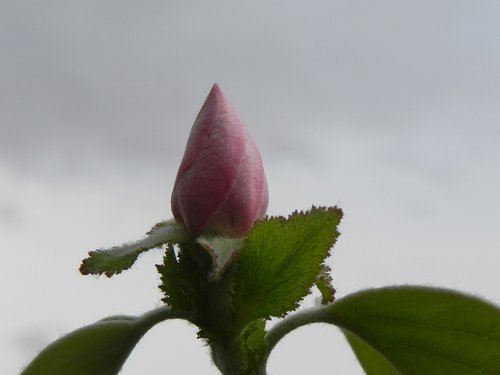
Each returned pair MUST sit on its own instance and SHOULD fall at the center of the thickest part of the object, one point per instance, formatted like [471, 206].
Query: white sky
[390, 109]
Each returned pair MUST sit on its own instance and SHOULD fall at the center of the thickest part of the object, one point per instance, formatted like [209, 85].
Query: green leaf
[178, 280]
[97, 349]
[120, 258]
[281, 261]
[371, 360]
[423, 330]
[187, 286]
[411, 330]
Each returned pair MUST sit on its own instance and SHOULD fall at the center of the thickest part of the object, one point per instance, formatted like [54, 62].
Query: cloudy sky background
[389, 109]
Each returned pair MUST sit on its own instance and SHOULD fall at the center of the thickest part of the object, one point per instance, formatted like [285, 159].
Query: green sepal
[97, 349]
[222, 251]
[120, 258]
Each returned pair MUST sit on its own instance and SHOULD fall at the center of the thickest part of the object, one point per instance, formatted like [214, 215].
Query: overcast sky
[389, 109]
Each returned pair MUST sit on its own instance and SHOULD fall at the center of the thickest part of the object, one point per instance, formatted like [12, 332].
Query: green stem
[290, 323]
[162, 313]
[226, 360]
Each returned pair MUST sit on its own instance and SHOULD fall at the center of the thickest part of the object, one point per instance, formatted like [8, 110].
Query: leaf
[253, 340]
[421, 331]
[371, 360]
[411, 330]
[186, 285]
[120, 258]
[97, 349]
[325, 286]
[177, 282]
[281, 261]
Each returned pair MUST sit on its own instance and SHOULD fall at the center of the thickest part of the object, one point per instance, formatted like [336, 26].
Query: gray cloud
[124, 80]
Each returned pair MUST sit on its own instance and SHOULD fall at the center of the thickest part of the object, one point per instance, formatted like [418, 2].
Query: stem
[290, 323]
[161, 314]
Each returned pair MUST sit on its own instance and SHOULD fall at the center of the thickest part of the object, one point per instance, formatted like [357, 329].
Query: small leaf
[177, 282]
[253, 338]
[97, 349]
[281, 261]
[186, 285]
[325, 286]
[120, 258]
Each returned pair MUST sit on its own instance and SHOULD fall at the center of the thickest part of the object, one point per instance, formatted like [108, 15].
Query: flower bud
[220, 187]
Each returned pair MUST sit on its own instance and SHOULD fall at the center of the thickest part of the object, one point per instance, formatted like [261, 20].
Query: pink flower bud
[220, 187]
